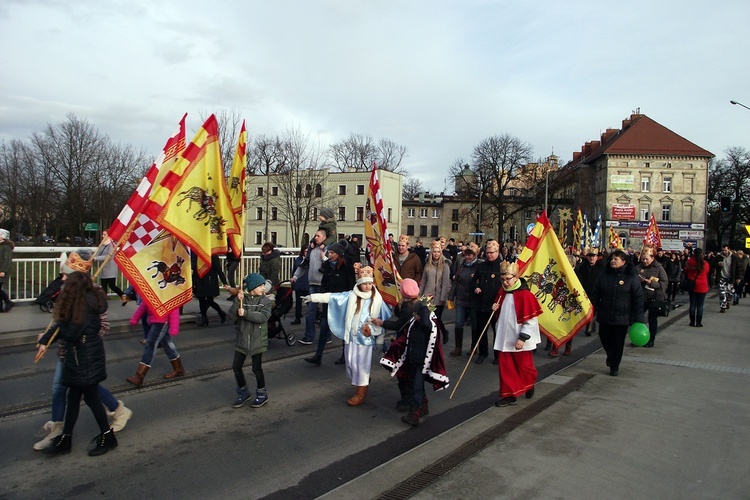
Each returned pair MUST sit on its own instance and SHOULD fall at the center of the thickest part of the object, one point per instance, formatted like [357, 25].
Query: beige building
[284, 209]
[630, 173]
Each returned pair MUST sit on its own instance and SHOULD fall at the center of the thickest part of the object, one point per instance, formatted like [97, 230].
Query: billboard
[622, 182]
[623, 212]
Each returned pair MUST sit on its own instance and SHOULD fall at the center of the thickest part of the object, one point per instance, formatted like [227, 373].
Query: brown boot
[456, 352]
[413, 417]
[359, 396]
[178, 371]
[140, 374]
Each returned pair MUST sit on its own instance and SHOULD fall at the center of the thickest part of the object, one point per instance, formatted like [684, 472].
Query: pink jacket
[172, 317]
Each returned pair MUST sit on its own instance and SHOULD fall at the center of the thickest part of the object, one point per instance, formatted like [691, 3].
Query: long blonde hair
[441, 260]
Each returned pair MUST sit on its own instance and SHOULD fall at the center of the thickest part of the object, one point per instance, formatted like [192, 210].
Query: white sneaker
[121, 417]
[53, 429]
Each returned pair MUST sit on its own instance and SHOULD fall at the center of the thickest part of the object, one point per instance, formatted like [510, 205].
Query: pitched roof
[640, 135]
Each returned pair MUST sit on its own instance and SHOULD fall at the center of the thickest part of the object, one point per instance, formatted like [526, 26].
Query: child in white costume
[349, 317]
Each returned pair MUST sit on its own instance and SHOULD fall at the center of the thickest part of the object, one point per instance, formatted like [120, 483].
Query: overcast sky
[434, 76]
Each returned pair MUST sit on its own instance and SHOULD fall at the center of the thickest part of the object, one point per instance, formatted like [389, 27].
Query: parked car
[47, 240]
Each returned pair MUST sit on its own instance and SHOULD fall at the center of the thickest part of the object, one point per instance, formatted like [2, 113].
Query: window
[388, 216]
[410, 230]
[312, 214]
[644, 212]
[527, 215]
[435, 213]
[687, 213]
[342, 189]
[308, 191]
[360, 189]
[423, 214]
[454, 215]
[688, 184]
[645, 184]
[422, 230]
[258, 238]
[648, 165]
[434, 231]
[667, 183]
[318, 191]
[298, 191]
[513, 233]
[259, 213]
[665, 212]
[410, 213]
[300, 213]
[668, 165]
[360, 214]
[454, 227]
[260, 190]
[274, 214]
[512, 192]
[342, 213]
[275, 191]
[274, 236]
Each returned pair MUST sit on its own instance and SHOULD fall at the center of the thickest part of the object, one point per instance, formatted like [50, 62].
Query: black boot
[61, 444]
[692, 320]
[413, 417]
[104, 442]
[340, 361]
[204, 320]
[404, 387]
[314, 360]
[223, 316]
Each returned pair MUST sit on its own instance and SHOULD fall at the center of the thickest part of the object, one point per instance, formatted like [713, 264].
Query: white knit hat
[4, 234]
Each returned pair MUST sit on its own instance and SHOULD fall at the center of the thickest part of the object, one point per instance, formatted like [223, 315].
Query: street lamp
[738, 104]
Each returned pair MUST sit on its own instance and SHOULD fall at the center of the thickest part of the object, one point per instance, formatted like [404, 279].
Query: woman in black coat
[617, 298]
[77, 312]
[207, 287]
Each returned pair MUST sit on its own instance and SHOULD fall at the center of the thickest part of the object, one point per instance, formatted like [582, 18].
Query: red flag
[174, 146]
[376, 234]
[652, 237]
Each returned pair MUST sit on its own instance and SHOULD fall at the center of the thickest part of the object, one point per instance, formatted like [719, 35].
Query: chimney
[576, 155]
[608, 134]
[595, 145]
[586, 149]
[625, 123]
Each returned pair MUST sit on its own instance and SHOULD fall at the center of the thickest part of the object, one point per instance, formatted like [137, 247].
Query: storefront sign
[622, 182]
[623, 212]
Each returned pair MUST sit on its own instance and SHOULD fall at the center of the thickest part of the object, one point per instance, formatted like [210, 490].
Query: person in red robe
[517, 335]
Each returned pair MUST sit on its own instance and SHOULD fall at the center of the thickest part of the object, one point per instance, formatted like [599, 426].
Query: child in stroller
[282, 304]
[46, 299]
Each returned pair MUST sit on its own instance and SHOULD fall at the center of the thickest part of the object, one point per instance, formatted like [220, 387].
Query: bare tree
[496, 166]
[230, 122]
[730, 177]
[358, 152]
[412, 188]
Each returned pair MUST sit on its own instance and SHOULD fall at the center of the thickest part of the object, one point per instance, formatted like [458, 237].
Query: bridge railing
[32, 274]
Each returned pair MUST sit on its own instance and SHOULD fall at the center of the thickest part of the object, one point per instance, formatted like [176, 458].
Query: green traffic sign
[91, 226]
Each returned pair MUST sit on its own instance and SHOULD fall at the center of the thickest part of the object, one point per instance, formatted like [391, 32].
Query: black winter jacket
[487, 278]
[337, 278]
[617, 296]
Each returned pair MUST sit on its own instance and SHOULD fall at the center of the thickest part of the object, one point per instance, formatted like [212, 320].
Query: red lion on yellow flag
[545, 267]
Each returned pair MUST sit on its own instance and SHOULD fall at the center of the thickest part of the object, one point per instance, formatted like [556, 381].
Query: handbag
[686, 284]
[660, 307]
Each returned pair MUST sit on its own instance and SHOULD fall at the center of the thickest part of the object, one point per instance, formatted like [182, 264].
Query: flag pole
[471, 356]
[40, 355]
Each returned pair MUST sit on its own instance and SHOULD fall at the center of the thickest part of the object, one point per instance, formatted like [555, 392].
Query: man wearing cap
[588, 272]
[517, 335]
[311, 265]
[6, 266]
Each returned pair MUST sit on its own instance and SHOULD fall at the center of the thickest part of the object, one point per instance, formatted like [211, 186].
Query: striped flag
[172, 149]
[652, 237]
[578, 240]
[192, 202]
[376, 234]
[596, 237]
[236, 188]
[614, 239]
[545, 267]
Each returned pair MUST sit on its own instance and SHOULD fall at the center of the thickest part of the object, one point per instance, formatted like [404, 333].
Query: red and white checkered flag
[652, 237]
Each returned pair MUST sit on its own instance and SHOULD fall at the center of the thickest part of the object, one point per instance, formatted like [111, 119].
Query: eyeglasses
[507, 278]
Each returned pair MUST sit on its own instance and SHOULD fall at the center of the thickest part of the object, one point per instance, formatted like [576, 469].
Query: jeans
[159, 335]
[311, 314]
[325, 331]
[417, 385]
[696, 306]
[463, 313]
[59, 390]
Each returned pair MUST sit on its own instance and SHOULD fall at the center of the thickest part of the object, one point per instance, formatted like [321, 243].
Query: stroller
[282, 304]
[46, 299]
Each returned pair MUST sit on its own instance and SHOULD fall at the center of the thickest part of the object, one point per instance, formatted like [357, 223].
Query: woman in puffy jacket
[697, 269]
[617, 298]
[77, 314]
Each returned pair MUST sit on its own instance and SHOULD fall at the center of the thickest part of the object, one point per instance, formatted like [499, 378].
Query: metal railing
[30, 276]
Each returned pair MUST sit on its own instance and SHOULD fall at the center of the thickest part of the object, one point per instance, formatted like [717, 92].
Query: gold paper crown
[365, 272]
[509, 268]
[76, 263]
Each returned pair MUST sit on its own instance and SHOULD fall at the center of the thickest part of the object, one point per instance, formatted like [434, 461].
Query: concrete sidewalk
[675, 423]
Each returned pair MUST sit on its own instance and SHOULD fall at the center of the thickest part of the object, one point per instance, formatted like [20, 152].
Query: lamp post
[738, 104]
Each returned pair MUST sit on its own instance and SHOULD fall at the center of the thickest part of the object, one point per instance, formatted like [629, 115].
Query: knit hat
[365, 275]
[80, 260]
[409, 288]
[253, 281]
[326, 212]
[4, 234]
[339, 247]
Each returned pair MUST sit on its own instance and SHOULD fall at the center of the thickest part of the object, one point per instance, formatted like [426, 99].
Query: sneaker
[261, 398]
[242, 396]
[305, 341]
[509, 401]
[296, 322]
[329, 340]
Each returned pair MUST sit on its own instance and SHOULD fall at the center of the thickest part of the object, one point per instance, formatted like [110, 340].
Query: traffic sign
[91, 226]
